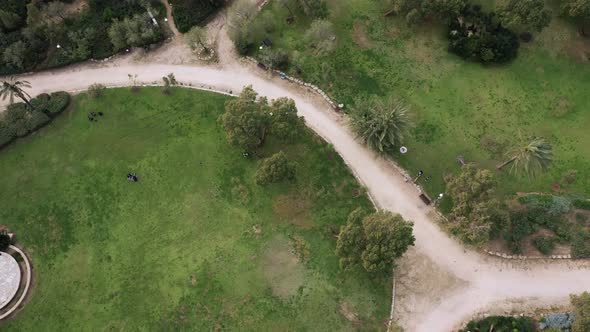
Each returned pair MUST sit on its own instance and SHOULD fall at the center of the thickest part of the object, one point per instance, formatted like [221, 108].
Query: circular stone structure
[9, 278]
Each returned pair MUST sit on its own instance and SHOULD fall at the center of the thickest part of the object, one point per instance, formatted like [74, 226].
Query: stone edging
[27, 285]
[521, 257]
[392, 302]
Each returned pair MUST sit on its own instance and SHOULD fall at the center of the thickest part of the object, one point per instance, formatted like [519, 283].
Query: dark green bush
[59, 101]
[188, 13]
[482, 39]
[583, 204]
[7, 133]
[502, 324]
[35, 120]
[581, 245]
[41, 102]
[544, 244]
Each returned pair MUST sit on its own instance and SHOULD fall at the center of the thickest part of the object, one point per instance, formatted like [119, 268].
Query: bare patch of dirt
[359, 35]
[294, 210]
[579, 49]
[421, 285]
[282, 269]
[76, 6]
[348, 312]
[393, 32]
[561, 108]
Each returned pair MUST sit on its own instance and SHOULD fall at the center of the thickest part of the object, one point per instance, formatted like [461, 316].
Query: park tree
[374, 241]
[33, 15]
[275, 169]
[285, 123]
[524, 14]
[55, 10]
[314, 8]
[243, 30]
[381, 125]
[80, 41]
[321, 36]
[9, 21]
[246, 120]
[12, 88]
[474, 208]
[134, 31]
[529, 157]
[579, 10]
[14, 54]
[581, 305]
[274, 58]
[196, 39]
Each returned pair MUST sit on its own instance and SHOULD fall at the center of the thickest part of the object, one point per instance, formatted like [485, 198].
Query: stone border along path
[27, 284]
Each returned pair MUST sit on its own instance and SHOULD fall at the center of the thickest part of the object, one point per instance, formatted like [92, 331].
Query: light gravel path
[484, 281]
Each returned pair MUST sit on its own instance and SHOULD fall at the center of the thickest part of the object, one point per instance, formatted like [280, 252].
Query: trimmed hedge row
[19, 120]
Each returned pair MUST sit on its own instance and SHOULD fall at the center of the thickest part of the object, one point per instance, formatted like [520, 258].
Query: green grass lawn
[459, 108]
[195, 244]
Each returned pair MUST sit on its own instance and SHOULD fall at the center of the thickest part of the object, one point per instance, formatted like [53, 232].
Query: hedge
[19, 120]
[502, 324]
[59, 102]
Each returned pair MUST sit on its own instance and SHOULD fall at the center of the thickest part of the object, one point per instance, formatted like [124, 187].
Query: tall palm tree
[13, 87]
[381, 125]
[530, 157]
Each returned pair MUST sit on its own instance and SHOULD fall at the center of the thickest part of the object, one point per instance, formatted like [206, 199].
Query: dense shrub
[59, 101]
[188, 13]
[278, 59]
[583, 204]
[96, 90]
[581, 245]
[559, 321]
[544, 244]
[4, 241]
[476, 36]
[275, 169]
[35, 120]
[554, 205]
[7, 133]
[41, 102]
[502, 324]
[19, 120]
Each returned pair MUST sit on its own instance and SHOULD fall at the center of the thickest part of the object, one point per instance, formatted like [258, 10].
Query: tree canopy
[524, 14]
[374, 241]
[474, 208]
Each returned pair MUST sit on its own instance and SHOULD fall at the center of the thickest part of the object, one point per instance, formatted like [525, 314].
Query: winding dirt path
[472, 282]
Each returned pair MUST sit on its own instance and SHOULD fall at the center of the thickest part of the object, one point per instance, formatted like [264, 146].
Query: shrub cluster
[583, 204]
[559, 321]
[475, 35]
[275, 169]
[554, 205]
[502, 323]
[188, 13]
[544, 244]
[31, 30]
[19, 120]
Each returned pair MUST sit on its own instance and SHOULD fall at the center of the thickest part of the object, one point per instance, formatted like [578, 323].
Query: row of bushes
[19, 120]
[502, 324]
[30, 41]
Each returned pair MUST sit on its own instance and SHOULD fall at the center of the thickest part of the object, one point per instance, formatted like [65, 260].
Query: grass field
[195, 244]
[460, 108]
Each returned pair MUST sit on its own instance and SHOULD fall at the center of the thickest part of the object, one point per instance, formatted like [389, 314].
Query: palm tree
[13, 87]
[381, 125]
[530, 157]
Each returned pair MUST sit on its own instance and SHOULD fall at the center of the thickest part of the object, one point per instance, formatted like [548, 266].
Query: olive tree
[321, 36]
[374, 241]
[524, 14]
